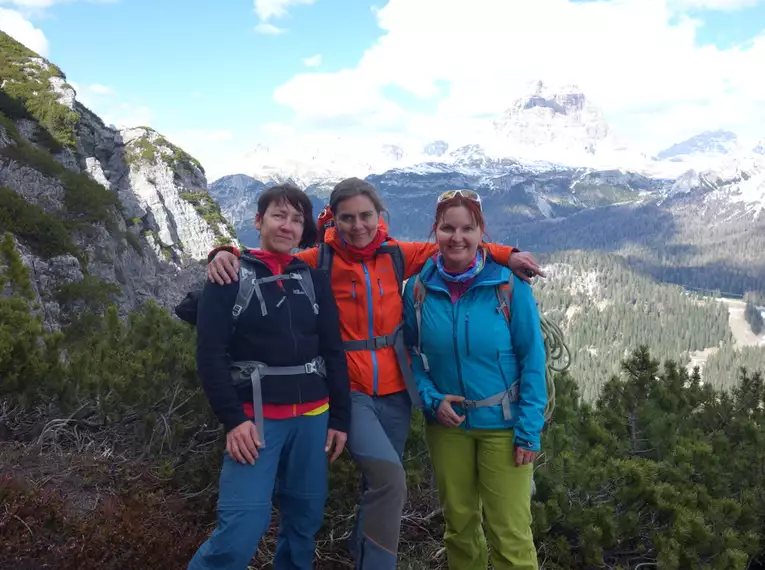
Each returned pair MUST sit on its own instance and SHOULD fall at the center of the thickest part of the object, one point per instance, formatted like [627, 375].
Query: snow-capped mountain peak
[561, 125]
[715, 143]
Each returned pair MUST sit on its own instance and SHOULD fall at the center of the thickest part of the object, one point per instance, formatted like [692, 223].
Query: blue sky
[221, 76]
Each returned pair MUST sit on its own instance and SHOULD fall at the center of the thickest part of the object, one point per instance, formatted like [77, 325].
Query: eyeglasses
[469, 194]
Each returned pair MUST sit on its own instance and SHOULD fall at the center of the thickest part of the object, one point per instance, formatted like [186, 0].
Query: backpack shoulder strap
[326, 254]
[397, 258]
[505, 297]
[247, 285]
[420, 292]
[306, 284]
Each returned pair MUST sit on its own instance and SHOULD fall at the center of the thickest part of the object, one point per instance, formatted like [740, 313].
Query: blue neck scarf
[474, 269]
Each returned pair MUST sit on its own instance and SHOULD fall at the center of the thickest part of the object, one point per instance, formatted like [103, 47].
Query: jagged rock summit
[557, 124]
[92, 208]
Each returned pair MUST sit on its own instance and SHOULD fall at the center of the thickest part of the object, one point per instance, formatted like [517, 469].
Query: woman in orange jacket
[366, 269]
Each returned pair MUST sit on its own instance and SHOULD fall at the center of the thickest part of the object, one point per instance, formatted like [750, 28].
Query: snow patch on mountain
[736, 184]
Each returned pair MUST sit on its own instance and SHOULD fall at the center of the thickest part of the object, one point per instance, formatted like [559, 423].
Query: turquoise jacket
[473, 353]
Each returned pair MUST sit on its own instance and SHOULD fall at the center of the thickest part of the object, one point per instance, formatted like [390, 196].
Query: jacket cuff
[526, 444]
[232, 421]
[229, 248]
[338, 423]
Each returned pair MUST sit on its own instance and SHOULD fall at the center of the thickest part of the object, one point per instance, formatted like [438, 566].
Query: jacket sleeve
[429, 394]
[415, 256]
[529, 349]
[229, 248]
[309, 256]
[500, 253]
[214, 328]
[333, 353]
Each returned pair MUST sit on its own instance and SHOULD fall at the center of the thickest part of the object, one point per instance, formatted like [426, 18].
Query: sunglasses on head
[469, 194]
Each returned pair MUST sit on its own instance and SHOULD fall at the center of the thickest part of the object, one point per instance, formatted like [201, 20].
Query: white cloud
[715, 5]
[99, 89]
[30, 3]
[121, 114]
[469, 59]
[269, 29]
[223, 157]
[267, 9]
[22, 30]
[313, 61]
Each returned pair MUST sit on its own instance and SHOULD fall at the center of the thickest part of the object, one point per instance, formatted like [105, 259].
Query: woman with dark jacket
[296, 408]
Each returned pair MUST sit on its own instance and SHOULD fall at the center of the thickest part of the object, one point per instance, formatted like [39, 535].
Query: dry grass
[81, 496]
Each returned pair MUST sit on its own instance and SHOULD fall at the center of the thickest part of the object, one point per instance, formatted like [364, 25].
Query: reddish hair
[470, 205]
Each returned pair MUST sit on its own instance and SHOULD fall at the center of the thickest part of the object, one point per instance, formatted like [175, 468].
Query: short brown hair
[298, 200]
[351, 187]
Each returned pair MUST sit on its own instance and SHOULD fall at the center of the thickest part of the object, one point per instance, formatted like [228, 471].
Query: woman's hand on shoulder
[523, 264]
[224, 268]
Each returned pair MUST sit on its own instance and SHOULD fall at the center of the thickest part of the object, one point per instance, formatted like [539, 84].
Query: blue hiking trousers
[293, 467]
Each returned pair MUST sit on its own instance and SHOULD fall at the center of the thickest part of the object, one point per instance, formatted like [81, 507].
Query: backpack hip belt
[505, 398]
[251, 371]
[395, 340]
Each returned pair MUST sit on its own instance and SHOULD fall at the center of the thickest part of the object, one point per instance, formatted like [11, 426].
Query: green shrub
[134, 241]
[46, 235]
[142, 149]
[86, 198]
[17, 273]
[29, 155]
[27, 93]
[92, 293]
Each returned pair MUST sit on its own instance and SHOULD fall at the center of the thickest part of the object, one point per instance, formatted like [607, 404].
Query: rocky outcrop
[125, 209]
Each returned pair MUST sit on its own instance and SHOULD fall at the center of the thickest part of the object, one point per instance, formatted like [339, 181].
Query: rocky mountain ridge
[94, 210]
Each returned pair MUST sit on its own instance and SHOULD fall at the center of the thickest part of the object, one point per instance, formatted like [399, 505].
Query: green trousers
[473, 470]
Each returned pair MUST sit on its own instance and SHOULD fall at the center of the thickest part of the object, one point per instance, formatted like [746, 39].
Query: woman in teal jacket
[482, 386]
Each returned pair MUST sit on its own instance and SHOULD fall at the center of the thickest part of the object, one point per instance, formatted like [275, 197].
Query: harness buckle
[311, 368]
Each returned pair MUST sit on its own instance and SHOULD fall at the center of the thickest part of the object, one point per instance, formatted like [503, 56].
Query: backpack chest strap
[395, 340]
[248, 287]
[375, 342]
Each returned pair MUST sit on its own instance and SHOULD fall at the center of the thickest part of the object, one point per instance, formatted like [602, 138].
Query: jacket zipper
[353, 288]
[379, 286]
[467, 333]
[295, 346]
[457, 356]
[370, 322]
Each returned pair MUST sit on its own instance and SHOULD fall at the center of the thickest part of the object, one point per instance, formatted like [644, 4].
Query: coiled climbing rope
[555, 348]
